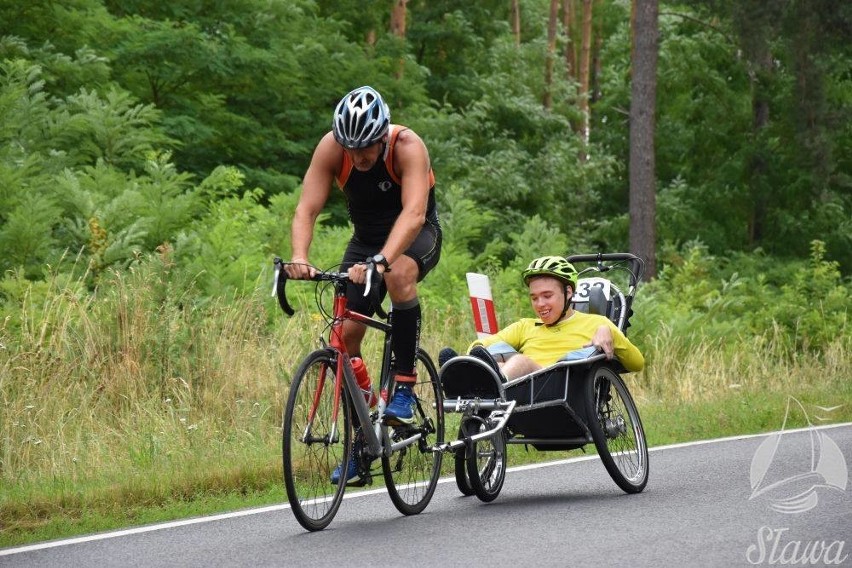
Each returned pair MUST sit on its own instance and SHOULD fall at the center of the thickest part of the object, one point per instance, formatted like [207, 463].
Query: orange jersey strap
[395, 130]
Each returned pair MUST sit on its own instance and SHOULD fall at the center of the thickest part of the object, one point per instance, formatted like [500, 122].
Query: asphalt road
[695, 511]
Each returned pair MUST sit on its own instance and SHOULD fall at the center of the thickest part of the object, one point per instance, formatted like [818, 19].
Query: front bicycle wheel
[486, 461]
[411, 472]
[460, 463]
[616, 429]
[316, 440]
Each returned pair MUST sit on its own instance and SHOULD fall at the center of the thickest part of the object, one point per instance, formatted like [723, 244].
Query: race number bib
[584, 285]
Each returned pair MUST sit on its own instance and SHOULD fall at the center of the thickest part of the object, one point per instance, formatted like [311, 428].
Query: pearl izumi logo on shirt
[385, 185]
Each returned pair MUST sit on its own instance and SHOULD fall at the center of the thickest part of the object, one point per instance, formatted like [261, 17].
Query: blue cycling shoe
[351, 471]
[353, 476]
[401, 407]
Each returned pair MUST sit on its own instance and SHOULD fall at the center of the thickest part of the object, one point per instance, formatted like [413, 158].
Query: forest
[151, 157]
[129, 125]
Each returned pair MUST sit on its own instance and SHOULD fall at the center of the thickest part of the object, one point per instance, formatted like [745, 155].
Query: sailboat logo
[824, 470]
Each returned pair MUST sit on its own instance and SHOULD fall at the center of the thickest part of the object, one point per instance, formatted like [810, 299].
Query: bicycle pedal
[392, 421]
[404, 431]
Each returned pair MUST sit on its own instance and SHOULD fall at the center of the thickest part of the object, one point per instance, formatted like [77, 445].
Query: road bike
[328, 420]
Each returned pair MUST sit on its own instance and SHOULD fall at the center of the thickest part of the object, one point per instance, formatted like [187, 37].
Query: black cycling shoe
[481, 352]
[445, 355]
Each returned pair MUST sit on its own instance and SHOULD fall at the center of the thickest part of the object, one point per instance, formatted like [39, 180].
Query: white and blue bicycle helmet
[361, 118]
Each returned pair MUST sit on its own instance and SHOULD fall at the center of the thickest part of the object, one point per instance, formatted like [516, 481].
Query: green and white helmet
[555, 266]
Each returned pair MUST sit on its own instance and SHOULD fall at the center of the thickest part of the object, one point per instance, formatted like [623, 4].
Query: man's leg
[401, 283]
[353, 334]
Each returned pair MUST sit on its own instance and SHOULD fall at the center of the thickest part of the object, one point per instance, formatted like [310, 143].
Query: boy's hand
[603, 341]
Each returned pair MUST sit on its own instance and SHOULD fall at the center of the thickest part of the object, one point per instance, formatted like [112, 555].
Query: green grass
[734, 415]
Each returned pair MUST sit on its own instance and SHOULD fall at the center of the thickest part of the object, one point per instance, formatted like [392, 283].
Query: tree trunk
[397, 24]
[516, 21]
[551, 53]
[643, 95]
[398, 18]
[568, 19]
[585, 61]
[758, 161]
[597, 66]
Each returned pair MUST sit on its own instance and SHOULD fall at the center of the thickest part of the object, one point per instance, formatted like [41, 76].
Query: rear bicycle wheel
[616, 429]
[486, 462]
[314, 442]
[411, 472]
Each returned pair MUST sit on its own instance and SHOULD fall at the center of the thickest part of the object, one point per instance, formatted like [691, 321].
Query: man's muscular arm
[412, 166]
[316, 188]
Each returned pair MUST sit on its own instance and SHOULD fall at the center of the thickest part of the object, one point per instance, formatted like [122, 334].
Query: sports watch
[380, 259]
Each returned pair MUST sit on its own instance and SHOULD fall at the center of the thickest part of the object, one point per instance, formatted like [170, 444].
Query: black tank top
[374, 197]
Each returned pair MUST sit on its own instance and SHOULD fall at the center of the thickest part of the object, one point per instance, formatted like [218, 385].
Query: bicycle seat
[597, 303]
[470, 377]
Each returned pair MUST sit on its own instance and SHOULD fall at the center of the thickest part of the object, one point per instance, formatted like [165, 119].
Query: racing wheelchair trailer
[577, 401]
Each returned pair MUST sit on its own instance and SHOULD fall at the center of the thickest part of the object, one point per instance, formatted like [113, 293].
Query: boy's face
[548, 298]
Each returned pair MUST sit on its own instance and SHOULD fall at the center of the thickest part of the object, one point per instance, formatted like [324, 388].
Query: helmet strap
[565, 306]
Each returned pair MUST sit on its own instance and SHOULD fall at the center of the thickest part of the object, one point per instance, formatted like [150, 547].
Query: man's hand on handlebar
[299, 269]
[358, 272]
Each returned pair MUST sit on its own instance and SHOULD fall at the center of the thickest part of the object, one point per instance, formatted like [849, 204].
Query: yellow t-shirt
[547, 344]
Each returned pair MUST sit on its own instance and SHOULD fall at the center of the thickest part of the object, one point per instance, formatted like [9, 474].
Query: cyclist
[385, 174]
[535, 343]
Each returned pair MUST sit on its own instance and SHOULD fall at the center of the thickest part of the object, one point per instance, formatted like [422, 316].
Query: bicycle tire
[308, 465]
[460, 463]
[616, 429]
[411, 473]
[486, 462]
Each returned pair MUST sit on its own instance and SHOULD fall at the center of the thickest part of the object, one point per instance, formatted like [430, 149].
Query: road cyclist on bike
[385, 174]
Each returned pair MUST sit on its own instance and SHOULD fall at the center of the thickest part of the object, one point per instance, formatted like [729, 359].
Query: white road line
[272, 508]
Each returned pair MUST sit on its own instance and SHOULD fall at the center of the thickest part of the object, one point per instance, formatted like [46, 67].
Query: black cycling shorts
[425, 250]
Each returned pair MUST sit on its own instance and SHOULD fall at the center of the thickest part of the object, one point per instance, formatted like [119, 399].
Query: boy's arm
[627, 353]
[611, 341]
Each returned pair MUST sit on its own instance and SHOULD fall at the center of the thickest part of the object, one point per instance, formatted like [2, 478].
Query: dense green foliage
[125, 125]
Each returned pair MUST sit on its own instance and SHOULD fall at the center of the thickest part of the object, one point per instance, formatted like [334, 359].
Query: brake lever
[277, 263]
[371, 270]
